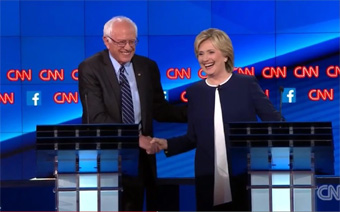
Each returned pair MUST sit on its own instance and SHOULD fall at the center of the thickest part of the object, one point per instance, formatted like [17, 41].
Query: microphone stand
[281, 91]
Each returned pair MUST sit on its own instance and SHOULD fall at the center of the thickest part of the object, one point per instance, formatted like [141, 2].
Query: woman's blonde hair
[221, 41]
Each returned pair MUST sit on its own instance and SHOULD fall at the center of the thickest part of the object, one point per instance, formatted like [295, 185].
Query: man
[101, 78]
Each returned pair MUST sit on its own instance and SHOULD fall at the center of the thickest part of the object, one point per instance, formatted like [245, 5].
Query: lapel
[111, 74]
[139, 69]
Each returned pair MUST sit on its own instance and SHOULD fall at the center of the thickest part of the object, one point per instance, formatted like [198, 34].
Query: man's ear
[106, 42]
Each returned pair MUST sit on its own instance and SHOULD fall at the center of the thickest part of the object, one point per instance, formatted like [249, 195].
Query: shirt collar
[117, 66]
[206, 81]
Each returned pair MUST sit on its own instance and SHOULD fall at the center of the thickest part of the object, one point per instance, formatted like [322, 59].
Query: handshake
[152, 145]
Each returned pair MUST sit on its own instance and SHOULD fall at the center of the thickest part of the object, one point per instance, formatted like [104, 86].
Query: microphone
[219, 87]
[281, 91]
[87, 110]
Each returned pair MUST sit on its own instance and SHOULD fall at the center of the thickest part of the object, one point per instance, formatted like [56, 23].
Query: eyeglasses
[124, 42]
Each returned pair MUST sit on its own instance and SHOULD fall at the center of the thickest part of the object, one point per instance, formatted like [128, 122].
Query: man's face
[122, 32]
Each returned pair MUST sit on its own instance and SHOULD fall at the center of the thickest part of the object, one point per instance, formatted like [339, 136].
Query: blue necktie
[127, 104]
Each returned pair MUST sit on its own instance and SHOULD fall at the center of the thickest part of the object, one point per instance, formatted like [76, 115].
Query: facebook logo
[33, 98]
[289, 95]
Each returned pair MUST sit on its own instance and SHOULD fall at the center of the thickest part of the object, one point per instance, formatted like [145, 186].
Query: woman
[221, 98]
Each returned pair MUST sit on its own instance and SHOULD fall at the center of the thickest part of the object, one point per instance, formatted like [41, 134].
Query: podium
[282, 160]
[87, 162]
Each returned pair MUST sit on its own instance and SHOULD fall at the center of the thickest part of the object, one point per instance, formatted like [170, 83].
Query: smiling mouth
[126, 53]
[208, 65]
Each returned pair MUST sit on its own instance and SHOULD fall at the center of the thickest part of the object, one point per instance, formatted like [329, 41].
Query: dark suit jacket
[242, 100]
[100, 97]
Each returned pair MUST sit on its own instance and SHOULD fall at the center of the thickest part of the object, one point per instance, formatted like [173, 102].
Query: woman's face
[211, 59]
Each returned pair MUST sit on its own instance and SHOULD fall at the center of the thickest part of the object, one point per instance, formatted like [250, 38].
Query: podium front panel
[282, 159]
[88, 162]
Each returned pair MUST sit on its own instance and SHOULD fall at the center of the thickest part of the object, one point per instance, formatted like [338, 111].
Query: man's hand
[160, 142]
[145, 143]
